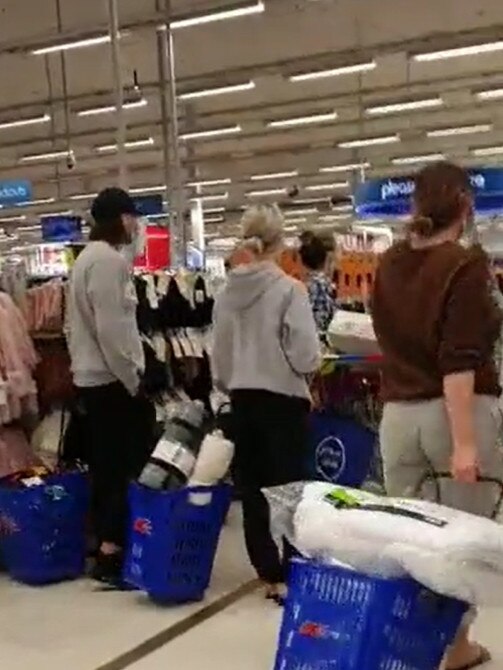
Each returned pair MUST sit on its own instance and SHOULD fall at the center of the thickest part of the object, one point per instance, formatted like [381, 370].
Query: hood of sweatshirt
[248, 283]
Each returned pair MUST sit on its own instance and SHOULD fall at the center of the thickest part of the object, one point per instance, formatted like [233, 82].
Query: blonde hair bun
[262, 227]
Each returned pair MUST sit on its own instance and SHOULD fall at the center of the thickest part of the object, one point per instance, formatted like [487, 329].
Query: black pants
[121, 436]
[270, 434]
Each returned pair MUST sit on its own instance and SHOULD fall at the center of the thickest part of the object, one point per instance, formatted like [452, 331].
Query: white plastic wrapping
[451, 552]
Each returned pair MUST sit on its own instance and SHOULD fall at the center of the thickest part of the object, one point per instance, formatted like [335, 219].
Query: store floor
[244, 636]
[74, 627]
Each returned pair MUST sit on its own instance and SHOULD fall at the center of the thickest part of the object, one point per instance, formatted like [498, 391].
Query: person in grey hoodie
[107, 363]
[265, 347]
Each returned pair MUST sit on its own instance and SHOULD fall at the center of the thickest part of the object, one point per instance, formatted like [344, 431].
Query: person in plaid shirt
[315, 255]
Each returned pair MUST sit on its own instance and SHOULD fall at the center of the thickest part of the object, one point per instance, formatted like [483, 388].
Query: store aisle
[244, 636]
[73, 626]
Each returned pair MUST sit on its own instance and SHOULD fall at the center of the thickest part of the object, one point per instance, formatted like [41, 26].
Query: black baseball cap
[111, 203]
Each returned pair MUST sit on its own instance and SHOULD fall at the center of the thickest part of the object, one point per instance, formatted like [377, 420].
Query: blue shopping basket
[174, 538]
[341, 449]
[337, 619]
[43, 529]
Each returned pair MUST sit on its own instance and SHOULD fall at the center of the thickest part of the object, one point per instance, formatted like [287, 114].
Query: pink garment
[16, 454]
[44, 308]
[18, 390]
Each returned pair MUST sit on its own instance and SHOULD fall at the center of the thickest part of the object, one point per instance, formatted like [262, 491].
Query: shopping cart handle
[433, 476]
[436, 476]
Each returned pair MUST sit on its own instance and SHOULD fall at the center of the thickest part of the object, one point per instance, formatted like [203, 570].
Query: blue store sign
[391, 197]
[15, 192]
[149, 205]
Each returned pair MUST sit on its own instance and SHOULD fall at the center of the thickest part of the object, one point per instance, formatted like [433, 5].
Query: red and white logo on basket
[316, 630]
[143, 526]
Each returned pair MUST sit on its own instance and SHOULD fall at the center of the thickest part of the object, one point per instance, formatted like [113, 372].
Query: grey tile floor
[72, 627]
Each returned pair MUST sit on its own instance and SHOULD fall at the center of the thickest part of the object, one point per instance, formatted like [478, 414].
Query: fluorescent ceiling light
[410, 106]
[473, 50]
[66, 212]
[327, 187]
[488, 151]
[271, 191]
[135, 144]
[27, 229]
[75, 44]
[303, 120]
[460, 130]
[424, 158]
[209, 182]
[300, 212]
[490, 94]
[41, 201]
[335, 72]
[110, 109]
[12, 219]
[223, 15]
[346, 168]
[293, 229]
[51, 155]
[274, 175]
[210, 198]
[214, 210]
[343, 208]
[20, 123]
[147, 189]
[215, 132]
[311, 201]
[84, 196]
[328, 218]
[369, 141]
[214, 219]
[220, 90]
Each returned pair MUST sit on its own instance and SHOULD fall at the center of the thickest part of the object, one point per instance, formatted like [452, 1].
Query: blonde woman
[265, 347]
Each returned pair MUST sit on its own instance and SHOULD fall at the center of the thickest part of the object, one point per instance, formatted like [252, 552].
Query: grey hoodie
[264, 336]
[104, 341]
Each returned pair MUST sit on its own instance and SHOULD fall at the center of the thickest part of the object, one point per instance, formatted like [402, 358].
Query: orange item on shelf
[290, 262]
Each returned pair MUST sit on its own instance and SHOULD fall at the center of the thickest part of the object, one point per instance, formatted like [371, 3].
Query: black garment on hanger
[147, 317]
[155, 379]
[175, 310]
[203, 304]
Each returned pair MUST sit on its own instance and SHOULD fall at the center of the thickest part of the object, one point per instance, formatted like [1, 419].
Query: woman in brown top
[437, 326]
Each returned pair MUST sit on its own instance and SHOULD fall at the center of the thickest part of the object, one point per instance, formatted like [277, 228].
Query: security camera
[293, 191]
[71, 161]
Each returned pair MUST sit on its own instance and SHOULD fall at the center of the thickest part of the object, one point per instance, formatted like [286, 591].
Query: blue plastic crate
[174, 539]
[43, 529]
[336, 619]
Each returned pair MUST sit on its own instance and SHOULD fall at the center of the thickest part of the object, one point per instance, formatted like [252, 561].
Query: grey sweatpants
[416, 443]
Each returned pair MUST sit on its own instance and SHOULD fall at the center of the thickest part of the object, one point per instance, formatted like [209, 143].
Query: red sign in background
[157, 250]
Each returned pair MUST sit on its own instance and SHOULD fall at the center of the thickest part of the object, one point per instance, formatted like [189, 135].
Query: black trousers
[121, 439]
[271, 436]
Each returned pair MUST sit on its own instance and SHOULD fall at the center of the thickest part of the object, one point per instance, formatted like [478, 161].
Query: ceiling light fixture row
[188, 22]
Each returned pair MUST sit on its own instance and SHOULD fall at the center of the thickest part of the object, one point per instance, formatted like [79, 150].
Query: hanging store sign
[391, 197]
[149, 205]
[15, 192]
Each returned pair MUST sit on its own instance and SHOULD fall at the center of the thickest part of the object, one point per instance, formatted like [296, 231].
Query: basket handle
[482, 479]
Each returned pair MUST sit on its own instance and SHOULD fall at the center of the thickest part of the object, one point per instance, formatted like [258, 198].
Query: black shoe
[108, 570]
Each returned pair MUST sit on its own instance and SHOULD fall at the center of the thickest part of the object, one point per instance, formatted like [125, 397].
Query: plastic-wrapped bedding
[451, 552]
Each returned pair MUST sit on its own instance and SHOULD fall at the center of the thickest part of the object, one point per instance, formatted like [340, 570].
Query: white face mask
[136, 247]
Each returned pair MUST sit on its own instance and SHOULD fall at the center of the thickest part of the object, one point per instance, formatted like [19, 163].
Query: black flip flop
[276, 598]
[483, 658]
